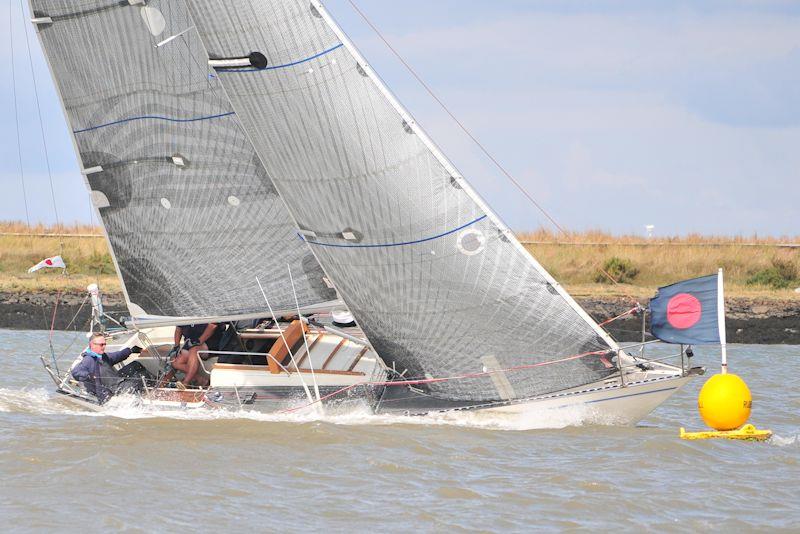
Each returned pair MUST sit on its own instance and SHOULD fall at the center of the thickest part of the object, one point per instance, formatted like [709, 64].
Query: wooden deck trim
[243, 367]
[259, 335]
[306, 353]
[331, 372]
[316, 339]
[282, 348]
[332, 354]
[360, 354]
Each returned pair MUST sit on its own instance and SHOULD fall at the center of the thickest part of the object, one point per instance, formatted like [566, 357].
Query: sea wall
[37, 311]
[761, 321]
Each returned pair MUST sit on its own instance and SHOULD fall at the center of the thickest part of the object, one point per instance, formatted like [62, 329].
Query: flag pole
[721, 321]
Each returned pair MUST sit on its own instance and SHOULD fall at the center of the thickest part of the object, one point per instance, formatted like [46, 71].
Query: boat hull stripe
[631, 395]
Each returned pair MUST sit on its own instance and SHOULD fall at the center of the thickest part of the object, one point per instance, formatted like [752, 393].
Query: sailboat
[240, 153]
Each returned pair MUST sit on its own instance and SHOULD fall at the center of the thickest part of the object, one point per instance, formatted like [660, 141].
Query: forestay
[440, 287]
[191, 214]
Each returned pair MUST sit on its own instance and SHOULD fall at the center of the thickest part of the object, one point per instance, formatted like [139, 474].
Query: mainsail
[439, 285]
[190, 212]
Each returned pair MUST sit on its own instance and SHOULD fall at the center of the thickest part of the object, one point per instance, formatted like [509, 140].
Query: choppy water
[127, 469]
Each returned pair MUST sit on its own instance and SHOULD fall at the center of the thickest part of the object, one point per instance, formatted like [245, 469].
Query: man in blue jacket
[96, 370]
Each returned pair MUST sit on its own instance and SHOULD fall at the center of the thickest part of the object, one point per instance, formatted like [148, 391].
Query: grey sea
[135, 470]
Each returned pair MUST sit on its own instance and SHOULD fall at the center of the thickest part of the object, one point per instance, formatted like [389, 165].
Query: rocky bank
[748, 320]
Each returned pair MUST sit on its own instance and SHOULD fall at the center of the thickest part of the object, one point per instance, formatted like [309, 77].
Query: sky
[613, 115]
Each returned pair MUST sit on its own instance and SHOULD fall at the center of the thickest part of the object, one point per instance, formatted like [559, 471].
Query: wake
[780, 441]
[43, 402]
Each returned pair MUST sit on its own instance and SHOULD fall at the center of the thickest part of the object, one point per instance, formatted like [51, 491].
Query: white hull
[358, 373]
[163, 399]
[609, 405]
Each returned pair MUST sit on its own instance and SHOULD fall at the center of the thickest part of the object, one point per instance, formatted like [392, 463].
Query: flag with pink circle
[687, 312]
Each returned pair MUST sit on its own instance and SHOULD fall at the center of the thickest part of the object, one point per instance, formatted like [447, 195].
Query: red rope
[53, 320]
[620, 316]
[436, 380]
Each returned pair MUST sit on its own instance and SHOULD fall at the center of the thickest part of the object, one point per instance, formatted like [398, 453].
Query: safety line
[414, 382]
[154, 117]
[285, 65]
[620, 316]
[16, 111]
[41, 123]
[380, 245]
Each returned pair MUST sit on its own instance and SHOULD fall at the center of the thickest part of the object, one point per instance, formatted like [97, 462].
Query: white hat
[342, 316]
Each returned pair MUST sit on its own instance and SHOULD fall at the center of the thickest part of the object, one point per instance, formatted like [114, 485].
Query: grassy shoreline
[574, 260]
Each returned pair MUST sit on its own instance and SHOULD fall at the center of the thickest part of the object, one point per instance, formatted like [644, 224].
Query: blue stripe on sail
[292, 64]
[154, 117]
[380, 245]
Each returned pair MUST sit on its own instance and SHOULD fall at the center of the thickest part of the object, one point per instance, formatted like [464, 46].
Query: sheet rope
[421, 381]
[632, 311]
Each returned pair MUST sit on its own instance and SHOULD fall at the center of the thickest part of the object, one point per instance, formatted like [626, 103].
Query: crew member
[197, 338]
[96, 370]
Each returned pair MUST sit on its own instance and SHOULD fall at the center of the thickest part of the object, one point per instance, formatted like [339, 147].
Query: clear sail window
[471, 242]
[153, 19]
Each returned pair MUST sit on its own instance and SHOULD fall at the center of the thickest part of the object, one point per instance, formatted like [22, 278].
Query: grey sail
[190, 212]
[439, 285]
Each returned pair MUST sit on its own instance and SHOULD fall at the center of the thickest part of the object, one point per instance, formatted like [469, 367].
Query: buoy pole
[725, 401]
[721, 322]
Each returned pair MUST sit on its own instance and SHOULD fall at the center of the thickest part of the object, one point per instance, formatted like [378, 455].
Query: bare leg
[201, 378]
[193, 364]
[181, 362]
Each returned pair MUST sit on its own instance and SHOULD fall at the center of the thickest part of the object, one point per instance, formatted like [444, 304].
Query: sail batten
[191, 215]
[437, 282]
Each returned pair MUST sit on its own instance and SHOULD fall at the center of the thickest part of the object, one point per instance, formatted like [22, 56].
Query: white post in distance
[721, 321]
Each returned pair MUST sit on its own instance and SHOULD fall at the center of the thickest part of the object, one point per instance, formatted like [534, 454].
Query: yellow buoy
[725, 402]
[746, 433]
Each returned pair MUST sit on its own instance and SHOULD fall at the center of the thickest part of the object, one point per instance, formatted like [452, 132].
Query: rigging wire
[436, 380]
[16, 112]
[46, 158]
[458, 122]
[469, 134]
[41, 123]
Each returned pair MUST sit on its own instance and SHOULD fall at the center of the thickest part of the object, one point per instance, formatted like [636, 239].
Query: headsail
[191, 214]
[440, 287]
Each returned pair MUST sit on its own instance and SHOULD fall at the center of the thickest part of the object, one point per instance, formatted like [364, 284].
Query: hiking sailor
[96, 370]
[198, 337]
